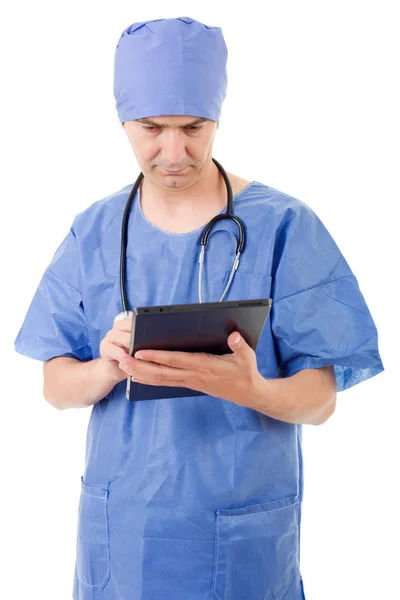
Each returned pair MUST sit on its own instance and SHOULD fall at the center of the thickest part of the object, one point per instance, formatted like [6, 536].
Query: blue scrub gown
[197, 497]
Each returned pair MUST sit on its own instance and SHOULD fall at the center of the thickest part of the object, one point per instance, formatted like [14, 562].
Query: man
[195, 497]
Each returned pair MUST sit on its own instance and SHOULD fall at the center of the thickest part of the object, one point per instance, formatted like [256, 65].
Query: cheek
[146, 157]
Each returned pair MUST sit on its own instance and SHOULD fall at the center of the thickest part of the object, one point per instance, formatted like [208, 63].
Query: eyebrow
[150, 122]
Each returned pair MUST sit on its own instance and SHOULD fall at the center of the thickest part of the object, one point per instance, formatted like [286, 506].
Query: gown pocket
[256, 550]
[92, 553]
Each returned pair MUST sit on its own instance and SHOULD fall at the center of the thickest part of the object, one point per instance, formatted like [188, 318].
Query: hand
[114, 347]
[232, 377]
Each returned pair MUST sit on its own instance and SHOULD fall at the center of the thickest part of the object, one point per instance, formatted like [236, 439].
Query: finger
[154, 374]
[112, 351]
[240, 347]
[123, 324]
[119, 338]
[194, 361]
[115, 345]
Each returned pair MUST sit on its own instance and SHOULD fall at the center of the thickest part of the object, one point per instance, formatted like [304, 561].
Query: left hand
[232, 377]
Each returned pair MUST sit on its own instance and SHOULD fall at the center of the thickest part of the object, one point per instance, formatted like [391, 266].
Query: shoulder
[275, 203]
[103, 213]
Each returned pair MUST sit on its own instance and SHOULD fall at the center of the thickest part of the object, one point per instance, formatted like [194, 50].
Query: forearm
[308, 396]
[70, 383]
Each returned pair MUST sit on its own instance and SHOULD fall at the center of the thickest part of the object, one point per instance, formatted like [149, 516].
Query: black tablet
[198, 327]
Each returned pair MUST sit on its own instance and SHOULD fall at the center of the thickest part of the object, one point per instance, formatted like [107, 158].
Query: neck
[179, 197]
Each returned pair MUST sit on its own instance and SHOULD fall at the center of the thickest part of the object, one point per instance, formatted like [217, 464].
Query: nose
[174, 150]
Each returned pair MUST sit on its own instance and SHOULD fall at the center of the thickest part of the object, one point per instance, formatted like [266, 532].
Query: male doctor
[194, 497]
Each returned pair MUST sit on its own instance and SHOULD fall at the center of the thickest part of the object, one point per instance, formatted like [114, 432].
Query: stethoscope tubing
[203, 240]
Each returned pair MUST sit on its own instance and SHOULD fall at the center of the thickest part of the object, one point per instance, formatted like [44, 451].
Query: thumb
[239, 345]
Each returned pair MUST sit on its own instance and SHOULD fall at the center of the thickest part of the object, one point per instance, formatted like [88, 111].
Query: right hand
[115, 346]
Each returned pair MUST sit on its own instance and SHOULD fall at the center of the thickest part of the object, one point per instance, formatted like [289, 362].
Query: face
[172, 143]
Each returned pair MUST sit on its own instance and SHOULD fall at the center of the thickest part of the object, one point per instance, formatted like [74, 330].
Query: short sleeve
[55, 324]
[319, 316]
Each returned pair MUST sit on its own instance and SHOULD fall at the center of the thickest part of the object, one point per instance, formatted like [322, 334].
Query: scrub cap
[170, 67]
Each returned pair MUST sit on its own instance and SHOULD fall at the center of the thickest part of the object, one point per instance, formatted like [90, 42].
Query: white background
[313, 110]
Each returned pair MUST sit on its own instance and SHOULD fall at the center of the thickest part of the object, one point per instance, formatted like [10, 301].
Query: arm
[308, 396]
[70, 383]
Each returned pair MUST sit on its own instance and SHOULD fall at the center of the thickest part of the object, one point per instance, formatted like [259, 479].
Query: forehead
[172, 120]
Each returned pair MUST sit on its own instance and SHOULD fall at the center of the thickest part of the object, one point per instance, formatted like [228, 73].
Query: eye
[188, 128]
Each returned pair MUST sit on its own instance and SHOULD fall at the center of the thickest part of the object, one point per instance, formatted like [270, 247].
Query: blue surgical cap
[170, 67]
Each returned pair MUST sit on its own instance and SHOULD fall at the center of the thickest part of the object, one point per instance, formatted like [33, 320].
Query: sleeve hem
[346, 376]
[47, 355]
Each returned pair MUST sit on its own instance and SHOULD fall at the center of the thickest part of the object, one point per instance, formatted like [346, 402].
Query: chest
[164, 269]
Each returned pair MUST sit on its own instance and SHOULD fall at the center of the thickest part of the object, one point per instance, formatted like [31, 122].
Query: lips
[174, 172]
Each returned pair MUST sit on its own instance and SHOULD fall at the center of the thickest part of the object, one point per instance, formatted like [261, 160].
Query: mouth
[174, 172]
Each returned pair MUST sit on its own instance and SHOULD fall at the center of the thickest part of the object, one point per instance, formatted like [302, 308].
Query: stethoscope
[203, 241]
